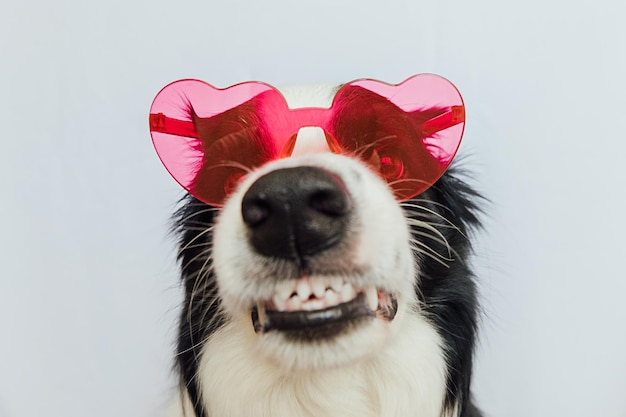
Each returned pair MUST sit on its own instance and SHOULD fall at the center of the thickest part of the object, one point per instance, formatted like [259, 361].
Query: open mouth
[316, 307]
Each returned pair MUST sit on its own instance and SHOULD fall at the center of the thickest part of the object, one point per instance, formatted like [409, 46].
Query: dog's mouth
[313, 308]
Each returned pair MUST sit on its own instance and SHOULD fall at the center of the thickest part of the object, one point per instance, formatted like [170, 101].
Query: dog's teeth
[261, 312]
[331, 297]
[347, 293]
[279, 302]
[336, 284]
[285, 289]
[313, 305]
[294, 304]
[296, 295]
[319, 287]
[303, 289]
[371, 295]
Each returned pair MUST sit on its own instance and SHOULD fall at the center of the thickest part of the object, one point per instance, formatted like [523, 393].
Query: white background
[88, 285]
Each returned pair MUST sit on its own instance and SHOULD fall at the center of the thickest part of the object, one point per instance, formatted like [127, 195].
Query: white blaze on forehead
[319, 95]
[310, 140]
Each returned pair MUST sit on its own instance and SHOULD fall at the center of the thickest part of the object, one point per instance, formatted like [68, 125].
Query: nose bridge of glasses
[304, 130]
[310, 117]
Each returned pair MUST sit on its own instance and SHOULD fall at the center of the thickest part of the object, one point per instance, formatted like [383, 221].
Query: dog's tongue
[265, 321]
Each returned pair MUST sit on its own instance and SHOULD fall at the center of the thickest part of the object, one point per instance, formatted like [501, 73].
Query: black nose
[293, 213]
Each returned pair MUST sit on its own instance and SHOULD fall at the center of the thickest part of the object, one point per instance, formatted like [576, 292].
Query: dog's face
[314, 290]
[314, 253]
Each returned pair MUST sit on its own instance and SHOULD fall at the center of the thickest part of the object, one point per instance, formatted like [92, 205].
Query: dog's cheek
[384, 240]
[230, 255]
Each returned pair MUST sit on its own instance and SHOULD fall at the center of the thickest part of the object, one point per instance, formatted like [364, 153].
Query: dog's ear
[408, 132]
[207, 137]
[231, 144]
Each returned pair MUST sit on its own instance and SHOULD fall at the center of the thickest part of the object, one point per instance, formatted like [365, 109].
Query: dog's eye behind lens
[391, 166]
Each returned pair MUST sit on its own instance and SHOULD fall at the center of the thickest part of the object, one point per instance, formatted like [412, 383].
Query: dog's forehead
[311, 95]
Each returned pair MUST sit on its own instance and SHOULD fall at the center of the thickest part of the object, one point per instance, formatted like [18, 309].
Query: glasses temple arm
[454, 116]
[163, 124]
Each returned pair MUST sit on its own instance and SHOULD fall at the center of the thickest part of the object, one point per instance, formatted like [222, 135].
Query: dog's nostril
[296, 212]
[333, 202]
[254, 211]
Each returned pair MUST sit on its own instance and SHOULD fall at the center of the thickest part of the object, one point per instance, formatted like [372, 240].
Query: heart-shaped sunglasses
[209, 138]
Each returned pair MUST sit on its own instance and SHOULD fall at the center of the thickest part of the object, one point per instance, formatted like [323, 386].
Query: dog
[314, 285]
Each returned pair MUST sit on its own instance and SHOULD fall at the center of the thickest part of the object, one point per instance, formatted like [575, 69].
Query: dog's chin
[326, 345]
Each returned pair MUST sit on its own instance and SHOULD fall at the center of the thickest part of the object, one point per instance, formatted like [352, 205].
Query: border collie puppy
[325, 271]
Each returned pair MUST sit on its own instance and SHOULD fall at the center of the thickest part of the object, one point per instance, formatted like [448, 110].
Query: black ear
[411, 149]
[231, 143]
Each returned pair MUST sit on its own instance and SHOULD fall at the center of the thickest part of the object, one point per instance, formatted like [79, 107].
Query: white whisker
[207, 209]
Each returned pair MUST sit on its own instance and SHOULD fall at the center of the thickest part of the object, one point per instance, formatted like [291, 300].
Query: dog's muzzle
[294, 215]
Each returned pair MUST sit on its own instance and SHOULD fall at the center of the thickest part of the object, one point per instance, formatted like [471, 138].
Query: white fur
[406, 378]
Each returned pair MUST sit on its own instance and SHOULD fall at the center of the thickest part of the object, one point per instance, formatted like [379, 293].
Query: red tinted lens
[209, 138]
[410, 132]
